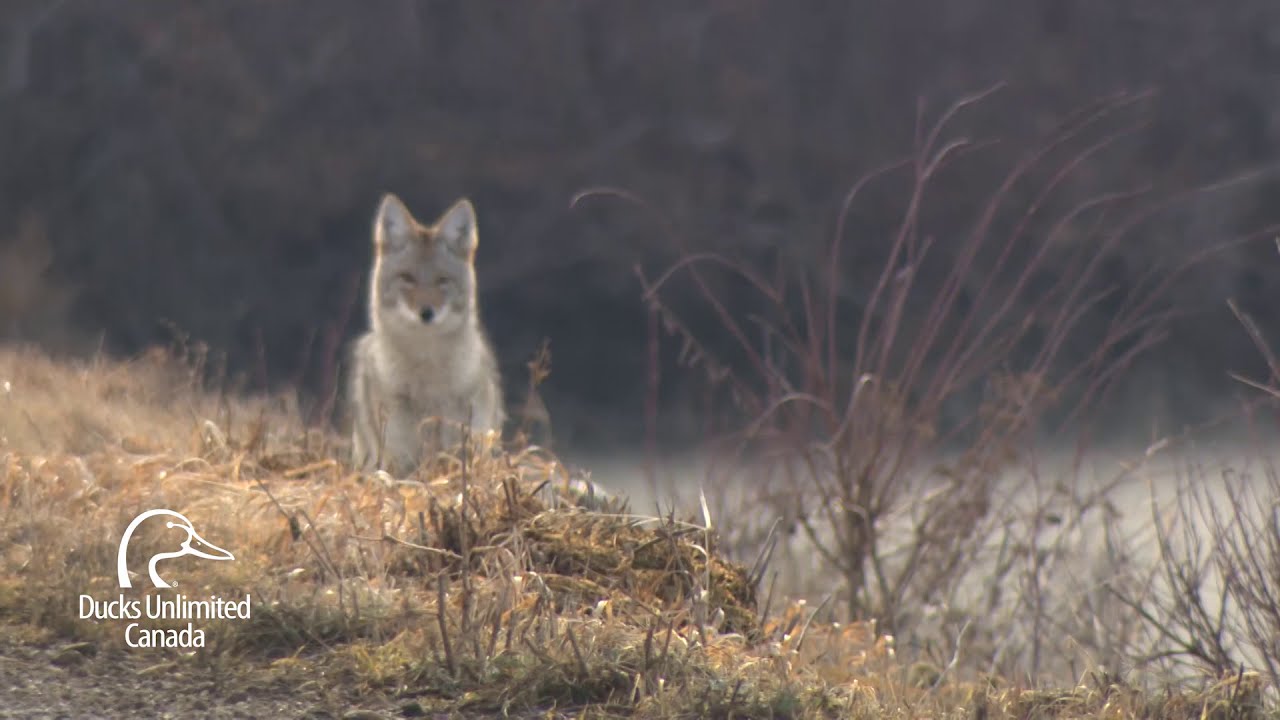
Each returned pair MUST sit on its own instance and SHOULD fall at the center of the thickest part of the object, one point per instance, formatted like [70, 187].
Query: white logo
[170, 610]
[193, 545]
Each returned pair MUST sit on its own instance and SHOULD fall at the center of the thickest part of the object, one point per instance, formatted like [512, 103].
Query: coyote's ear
[393, 226]
[457, 228]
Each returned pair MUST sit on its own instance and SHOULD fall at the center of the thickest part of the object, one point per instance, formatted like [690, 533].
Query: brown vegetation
[476, 587]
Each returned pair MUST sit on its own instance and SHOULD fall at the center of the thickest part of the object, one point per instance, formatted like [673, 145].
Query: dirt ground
[57, 680]
[61, 680]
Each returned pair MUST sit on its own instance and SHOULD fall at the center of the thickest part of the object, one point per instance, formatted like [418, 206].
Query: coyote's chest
[431, 384]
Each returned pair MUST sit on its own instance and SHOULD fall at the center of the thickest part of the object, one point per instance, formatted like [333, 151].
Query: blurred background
[210, 170]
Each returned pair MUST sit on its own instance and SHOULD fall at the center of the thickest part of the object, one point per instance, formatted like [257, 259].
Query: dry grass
[477, 587]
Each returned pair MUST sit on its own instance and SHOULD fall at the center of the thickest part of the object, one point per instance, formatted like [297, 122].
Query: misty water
[1103, 512]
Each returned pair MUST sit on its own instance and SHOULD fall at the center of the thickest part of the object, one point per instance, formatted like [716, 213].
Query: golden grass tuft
[476, 587]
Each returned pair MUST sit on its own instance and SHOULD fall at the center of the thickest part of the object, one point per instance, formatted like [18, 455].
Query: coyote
[426, 356]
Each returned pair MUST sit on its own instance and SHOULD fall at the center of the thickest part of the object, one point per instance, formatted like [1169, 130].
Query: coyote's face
[423, 275]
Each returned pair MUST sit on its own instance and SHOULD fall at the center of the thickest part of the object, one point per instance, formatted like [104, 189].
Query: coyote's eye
[442, 282]
[407, 279]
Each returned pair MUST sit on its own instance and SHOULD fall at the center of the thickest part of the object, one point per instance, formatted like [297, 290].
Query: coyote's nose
[428, 314]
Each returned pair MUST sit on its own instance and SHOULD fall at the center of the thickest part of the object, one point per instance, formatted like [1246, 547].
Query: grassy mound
[479, 586]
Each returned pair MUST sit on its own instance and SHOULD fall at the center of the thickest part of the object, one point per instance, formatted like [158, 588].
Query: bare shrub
[1214, 604]
[1207, 601]
[864, 436]
[33, 305]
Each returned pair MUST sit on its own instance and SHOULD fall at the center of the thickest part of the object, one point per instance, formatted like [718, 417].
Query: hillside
[478, 587]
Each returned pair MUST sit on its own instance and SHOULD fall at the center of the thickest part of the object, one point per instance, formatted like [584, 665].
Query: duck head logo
[192, 545]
